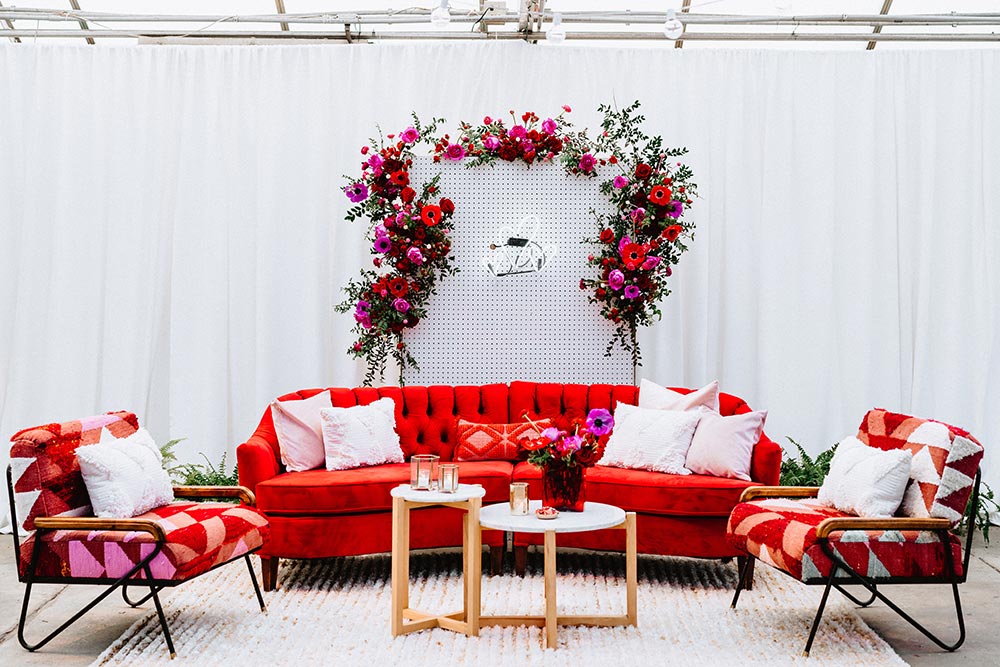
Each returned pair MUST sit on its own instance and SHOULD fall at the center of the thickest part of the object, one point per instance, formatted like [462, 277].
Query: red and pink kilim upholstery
[782, 533]
[199, 536]
[44, 468]
[496, 442]
[945, 461]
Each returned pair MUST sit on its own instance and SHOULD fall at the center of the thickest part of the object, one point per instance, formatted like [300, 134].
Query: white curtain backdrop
[172, 238]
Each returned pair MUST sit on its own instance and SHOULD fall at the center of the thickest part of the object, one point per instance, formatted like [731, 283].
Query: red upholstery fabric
[199, 537]
[649, 492]
[325, 492]
[782, 533]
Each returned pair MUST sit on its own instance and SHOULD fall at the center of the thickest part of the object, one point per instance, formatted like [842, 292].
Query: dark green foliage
[987, 505]
[804, 470]
[198, 474]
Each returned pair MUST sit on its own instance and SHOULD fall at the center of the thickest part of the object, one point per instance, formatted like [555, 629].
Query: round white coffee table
[469, 498]
[595, 516]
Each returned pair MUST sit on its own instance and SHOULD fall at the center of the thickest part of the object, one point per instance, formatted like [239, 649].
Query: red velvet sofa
[320, 513]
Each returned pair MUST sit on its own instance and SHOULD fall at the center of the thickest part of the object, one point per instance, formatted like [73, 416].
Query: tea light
[423, 471]
[449, 478]
[519, 498]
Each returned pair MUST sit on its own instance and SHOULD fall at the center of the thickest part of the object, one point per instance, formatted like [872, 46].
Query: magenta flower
[600, 422]
[551, 434]
[651, 263]
[587, 162]
[675, 210]
[415, 256]
[616, 279]
[517, 132]
[357, 192]
[619, 182]
[357, 346]
[401, 305]
[549, 126]
[527, 146]
[454, 152]
[362, 307]
[632, 292]
[637, 214]
[491, 143]
[670, 271]
[569, 444]
[383, 244]
[381, 231]
[409, 135]
[625, 240]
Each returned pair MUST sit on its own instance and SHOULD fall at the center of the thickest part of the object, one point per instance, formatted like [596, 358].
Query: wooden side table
[469, 498]
[595, 516]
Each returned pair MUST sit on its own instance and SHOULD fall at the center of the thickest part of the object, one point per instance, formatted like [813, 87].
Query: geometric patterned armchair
[160, 548]
[788, 529]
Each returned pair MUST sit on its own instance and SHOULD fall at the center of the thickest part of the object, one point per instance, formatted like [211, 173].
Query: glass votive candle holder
[423, 472]
[519, 498]
[448, 474]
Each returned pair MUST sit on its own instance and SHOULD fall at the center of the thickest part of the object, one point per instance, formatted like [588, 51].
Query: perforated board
[538, 326]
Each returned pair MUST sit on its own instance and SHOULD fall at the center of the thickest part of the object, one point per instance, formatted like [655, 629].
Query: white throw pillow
[124, 476]
[655, 440]
[723, 446]
[300, 431]
[363, 435]
[656, 397]
[864, 480]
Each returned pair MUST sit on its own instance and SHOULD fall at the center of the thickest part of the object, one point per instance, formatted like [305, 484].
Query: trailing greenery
[987, 505]
[804, 470]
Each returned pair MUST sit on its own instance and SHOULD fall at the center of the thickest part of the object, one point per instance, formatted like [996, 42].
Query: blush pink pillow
[300, 431]
[656, 397]
[723, 446]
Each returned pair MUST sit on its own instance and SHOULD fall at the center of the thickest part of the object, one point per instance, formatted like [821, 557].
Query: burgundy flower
[643, 171]
[447, 206]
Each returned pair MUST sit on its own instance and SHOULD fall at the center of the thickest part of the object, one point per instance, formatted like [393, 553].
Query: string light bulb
[557, 33]
[441, 17]
[672, 28]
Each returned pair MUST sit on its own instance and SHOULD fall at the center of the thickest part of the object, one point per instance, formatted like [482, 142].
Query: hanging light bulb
[441, 17]
[557, 33]
[672, 28]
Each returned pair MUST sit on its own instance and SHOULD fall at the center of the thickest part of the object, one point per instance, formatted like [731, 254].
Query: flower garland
[410, 224]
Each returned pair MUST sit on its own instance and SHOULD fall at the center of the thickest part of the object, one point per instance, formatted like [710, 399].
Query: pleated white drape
[172, 242]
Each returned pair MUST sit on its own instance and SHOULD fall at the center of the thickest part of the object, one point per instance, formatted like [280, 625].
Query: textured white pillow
[124, 476]
[363, 435]
[300, 431]
[656, 397]
[723, 446]
[655, 440]
[864, 480]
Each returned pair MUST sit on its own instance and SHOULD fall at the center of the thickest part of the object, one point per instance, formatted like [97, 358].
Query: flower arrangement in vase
[563, 456]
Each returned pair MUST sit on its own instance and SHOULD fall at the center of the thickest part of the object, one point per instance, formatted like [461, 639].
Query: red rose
[586, 456]
[447, 206]
[660, 194]
[398, 287]
[639, 198]
[633, 255]
[399, 178]
[507, 153]
[600, 293]
[408, 194]
[672, 232]
[607, 235]
[583, 285]
[431, 215]
[643, 171]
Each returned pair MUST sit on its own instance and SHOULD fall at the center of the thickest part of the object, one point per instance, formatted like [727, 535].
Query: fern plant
[805, 470]
[987, 506]
[197, 474]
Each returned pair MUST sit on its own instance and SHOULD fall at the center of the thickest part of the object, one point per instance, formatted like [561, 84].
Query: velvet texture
[317, 513]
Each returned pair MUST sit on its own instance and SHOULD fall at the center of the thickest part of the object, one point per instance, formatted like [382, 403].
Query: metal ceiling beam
[280, 6]
[83, 24]
[685, 8]
[886, 4]
[10, 24]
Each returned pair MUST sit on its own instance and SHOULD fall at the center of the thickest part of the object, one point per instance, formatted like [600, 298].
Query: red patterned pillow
[494, 442]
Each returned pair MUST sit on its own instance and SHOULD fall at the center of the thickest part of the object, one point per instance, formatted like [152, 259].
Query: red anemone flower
[431, 215]
[633, 255]
[660, 194]
[400, 178]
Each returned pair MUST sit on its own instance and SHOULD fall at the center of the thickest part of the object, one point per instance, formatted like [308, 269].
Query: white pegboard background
[536, 326]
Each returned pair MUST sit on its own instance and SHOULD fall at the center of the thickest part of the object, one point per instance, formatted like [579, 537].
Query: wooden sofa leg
[496, 559]
[520, 560]
[740, 562]
[269, 573]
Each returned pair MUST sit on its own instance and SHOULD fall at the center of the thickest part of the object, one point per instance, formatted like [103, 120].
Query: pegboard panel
[533, 325]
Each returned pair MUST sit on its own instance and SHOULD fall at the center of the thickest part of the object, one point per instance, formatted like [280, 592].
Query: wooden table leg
[551, 618]
[400, 563]
[474, 575]
[631, 570]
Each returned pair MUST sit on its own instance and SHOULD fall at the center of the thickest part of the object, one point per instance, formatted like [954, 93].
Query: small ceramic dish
[546, 513]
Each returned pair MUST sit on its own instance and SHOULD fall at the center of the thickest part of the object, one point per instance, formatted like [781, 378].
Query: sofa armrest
[241, 492]
[779, 492]
[765, 466]
[257, 462]
[96, 523]
[835, 524]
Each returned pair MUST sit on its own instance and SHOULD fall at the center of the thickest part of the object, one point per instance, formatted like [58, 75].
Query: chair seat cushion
[330, 492]
[651, 492]
[782, 533]
[199, 537]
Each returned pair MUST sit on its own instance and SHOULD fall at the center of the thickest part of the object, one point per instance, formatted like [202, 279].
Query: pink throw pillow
[656, 397]
[723, 446]
[300, 431]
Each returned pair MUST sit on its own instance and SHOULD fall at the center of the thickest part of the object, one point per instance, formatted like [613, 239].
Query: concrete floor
[86, 639]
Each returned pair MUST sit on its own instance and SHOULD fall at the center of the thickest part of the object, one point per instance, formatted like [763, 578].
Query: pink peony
[651, 263]
[517, 132]
[549, 126]
[454, 152]
[619, 182]
[415, 256]
[381, 231]
[409, 135]
[616, 279]
[569, 444]
[587, 162]
[401, 305]
[625, 240]
[490, 142]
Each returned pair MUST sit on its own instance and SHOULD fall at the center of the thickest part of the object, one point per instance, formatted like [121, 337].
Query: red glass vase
[562, 487]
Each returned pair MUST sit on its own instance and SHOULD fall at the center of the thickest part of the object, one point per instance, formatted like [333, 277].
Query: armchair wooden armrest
[779, 492]
[241, 492]
[835, 524]
[97, 523]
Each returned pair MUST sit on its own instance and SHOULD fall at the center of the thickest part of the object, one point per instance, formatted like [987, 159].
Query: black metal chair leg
[137, 603]
[159, 613]
[256, 588]
[850, 596]
[819, 612]
[741, 580]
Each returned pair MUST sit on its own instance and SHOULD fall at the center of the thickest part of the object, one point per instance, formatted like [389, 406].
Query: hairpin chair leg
[256, 588]
[159, 613]
[850, 596]
[819, 612]
[136, 603]
[745, 576]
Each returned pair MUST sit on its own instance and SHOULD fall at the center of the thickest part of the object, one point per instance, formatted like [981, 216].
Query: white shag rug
[336, 612]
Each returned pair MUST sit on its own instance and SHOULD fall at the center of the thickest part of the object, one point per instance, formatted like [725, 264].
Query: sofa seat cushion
[782, 533]
[651, 492]
[329, 492]
[199, 536]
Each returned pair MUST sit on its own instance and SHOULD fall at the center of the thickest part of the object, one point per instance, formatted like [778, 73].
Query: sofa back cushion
[945, 461]
[45, 470]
